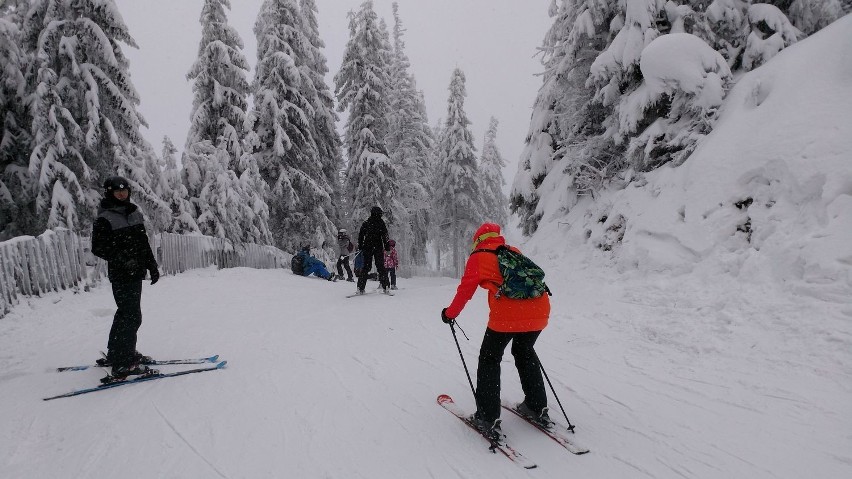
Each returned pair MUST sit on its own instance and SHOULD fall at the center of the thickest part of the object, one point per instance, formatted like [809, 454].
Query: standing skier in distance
[119, 237]
[344, 249]
[517, 320]
[373, 242]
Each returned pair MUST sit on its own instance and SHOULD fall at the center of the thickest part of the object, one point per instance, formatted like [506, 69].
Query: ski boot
[541, 418]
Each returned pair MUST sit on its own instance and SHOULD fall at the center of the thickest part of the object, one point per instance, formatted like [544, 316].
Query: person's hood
[486, 233]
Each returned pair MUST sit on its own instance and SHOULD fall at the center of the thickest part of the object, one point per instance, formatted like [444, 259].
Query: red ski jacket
[506, 315]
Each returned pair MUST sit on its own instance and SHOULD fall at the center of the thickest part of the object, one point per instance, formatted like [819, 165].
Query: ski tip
[444, 399]
[213, 359]
[221, 365]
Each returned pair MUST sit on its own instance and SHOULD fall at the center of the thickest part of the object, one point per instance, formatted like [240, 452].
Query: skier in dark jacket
[119, 237]
[373, 242]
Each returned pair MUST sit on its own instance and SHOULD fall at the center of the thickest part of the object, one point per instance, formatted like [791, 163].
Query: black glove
[155, 275]
[387, 247]
[446, 319]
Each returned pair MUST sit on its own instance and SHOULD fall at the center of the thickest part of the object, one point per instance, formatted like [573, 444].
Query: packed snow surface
[663, 377]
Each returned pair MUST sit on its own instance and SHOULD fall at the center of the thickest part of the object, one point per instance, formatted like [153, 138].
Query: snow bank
[767, 196]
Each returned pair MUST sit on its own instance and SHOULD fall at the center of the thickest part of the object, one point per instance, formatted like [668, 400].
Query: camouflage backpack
[522, 279]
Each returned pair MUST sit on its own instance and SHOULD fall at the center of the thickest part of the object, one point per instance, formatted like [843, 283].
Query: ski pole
[453, 329]
[570, 426]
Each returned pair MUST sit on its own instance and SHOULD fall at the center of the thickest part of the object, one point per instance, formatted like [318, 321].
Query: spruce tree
[85, 124]
[409, 142]
[174, 193]
[15, 212]
[284, 145]
[491, 166]
[219, 84]
[459, 195]
[564, 116]
[221, 204]
[362, 86]
[324, 120]
[223, 208]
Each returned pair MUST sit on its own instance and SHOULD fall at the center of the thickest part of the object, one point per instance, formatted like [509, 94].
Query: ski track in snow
[663, 378]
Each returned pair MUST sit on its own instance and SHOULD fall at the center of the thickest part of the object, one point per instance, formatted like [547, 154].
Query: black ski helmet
[376, 211]
[115, 183]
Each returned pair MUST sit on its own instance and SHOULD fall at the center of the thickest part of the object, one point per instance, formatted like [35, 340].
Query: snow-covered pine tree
[409, 142]
[15, 212]
[287, 155]
[437, 233]
[771, 32]
[219, 84]
[222, 206]
[491, 165]
[460, 200]
[565, 134]
[85, 123]
[685, 73]
[362, 86]
[325, 118]
[810, 16]
[256, 191]
[615, 72]
[56, 163]
[141, 167]
[174, 193]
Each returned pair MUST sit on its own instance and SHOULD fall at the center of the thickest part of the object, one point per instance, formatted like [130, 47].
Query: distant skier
[305, 264]
[517, 320]
[344, 247]
[373, 242]
[119, 237]
[391, 263]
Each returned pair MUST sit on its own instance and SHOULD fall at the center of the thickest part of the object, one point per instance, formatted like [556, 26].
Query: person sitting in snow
[310, 265]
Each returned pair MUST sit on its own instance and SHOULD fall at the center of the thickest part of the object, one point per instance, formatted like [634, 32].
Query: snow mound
[765, 198]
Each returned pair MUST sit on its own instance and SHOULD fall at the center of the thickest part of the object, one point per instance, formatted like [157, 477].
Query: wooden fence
[33, 266]
[178, 253]
[60, 259]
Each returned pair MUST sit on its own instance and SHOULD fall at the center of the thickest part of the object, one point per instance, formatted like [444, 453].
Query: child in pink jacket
[391, 262]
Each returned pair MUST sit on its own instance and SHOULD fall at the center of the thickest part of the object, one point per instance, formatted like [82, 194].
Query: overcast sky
[493, 41]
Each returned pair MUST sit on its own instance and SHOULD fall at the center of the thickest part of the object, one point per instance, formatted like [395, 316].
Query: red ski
[496, 444]
[556, 432]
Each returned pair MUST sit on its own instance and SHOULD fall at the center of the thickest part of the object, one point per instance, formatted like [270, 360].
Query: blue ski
[211, 359]
[137, 379]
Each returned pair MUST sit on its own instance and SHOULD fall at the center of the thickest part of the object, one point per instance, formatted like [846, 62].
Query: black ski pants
[370, 257]
[125, 323]
[488, 372]
[343, 262]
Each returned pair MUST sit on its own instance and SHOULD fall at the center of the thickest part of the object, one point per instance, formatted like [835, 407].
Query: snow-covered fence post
[180, 253]
[32, 266]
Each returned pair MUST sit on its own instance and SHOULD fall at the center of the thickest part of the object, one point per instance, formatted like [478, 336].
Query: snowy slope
[766, 198]
[689, 349]
[661, 382]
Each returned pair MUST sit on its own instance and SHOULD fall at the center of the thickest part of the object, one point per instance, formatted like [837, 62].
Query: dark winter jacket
[373, 235]
[344, 244]
[119, 237]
